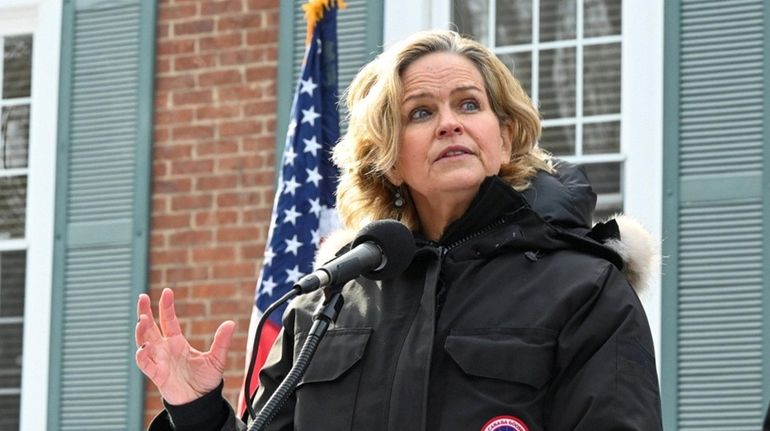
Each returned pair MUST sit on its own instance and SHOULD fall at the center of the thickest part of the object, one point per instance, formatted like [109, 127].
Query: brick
[261, 73]
[190, 237]
[237, 93]
[262, 4]
[172, 152]
[189, 309]
[174, 116]
[192, 62]
[194, 97]
[162, 65]
[216, 254]
[216, 183]
[252, 252]
[227, 307]
[220, 7]
[165, 257]
[185, 131]
[192, 166]
[197, 26]
[221, 41]
[220, 77]
[176, 185]
[237, 234]
[196, 272]
[221, 217]
[234, 270]
[171, 221]
[237, 128]
[214, 290]
[186, 202]
[226, 164]
[260, 144]
[175, 46]
[176, 82]
[236, 199]
[265, 108]
[219, 148]
[244, 21]
[159, 204]
[240, 57]
[263, 36]
[176, 12]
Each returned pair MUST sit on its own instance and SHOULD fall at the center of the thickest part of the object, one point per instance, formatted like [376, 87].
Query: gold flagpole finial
[314, 12]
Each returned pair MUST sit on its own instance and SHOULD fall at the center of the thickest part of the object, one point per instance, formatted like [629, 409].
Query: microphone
[381, 250]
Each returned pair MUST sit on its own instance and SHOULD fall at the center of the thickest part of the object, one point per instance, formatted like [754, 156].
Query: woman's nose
[449, 125]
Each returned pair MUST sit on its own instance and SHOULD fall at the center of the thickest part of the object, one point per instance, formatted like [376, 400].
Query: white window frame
[641, 133]
[42, 19]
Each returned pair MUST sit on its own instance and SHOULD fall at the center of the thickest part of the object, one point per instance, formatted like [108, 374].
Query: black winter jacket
[516, 316]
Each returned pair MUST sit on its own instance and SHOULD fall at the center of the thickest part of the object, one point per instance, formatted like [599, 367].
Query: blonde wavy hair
[369, 149]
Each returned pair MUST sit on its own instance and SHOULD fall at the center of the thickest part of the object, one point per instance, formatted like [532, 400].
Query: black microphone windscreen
[396, 242]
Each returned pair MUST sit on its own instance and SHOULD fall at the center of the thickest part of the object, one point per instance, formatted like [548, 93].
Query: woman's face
[451, 139]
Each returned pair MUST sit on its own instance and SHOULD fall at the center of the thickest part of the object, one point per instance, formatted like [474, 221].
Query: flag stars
[268, 286]
[293, 275]
[307, 86]
[309, 115]
[291, 215]
[292, 245]
[313, 176]
[289, 155]
[290, 186]
[315, 206]
[312, 146]
[316, 236]
[269, 255]
[292, 127]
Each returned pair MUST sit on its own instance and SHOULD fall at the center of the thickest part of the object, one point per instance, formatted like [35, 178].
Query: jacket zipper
[446, 249]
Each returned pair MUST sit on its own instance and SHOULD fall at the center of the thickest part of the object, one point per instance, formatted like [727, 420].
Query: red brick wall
[213, 167]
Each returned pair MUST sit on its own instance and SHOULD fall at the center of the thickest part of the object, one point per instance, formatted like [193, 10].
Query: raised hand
[180, 372]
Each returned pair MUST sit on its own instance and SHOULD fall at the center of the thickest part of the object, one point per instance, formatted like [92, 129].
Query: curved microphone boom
[381, 250]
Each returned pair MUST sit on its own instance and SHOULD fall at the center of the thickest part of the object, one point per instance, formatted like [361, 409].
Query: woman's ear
[506, 136]
[394, 177]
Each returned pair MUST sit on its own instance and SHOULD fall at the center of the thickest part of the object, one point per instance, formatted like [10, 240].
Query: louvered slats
[96, 362]
[721, 84]
[720, 238]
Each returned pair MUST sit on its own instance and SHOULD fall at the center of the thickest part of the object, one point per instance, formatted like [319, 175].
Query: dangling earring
[398, 200]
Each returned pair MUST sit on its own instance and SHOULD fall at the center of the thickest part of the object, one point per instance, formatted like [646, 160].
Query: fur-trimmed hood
[565, 199]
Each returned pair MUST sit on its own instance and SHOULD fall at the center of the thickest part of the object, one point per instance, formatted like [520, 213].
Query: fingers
[145, 363]
[169, 325]
[146, 331]
[221, 344]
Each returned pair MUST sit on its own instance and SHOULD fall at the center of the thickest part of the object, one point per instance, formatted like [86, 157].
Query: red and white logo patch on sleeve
[505, 423]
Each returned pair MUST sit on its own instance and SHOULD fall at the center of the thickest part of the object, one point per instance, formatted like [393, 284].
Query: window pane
[10, 355]
[13, 204]
[9, 412]
[513, 23]
[472, 18]
[601, 88]
[605, 180]
[557, 83]
[17, 66]
[521, 66]
[601, 138]
[12, 267]
[560, 140]
[558, 20]
[601, 18]
[14, 137]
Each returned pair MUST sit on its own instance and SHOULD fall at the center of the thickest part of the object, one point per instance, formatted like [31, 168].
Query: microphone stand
[325, 314]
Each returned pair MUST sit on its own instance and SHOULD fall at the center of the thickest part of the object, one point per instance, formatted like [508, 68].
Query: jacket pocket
[325, 396]
[516, 355]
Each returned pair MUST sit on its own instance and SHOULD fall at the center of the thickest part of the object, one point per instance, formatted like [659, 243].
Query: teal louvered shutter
[359, 39]
[102, 213]
[716, 282]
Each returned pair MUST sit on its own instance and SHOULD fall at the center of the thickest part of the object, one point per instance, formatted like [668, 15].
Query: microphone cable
[247, 394]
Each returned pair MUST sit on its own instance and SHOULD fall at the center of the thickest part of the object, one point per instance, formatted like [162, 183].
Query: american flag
[303, 210]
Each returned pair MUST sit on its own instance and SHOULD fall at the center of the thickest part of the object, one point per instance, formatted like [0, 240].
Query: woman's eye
[419, 114]
[470, 105]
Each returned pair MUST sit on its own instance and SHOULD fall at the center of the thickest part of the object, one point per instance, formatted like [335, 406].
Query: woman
[513, 314]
